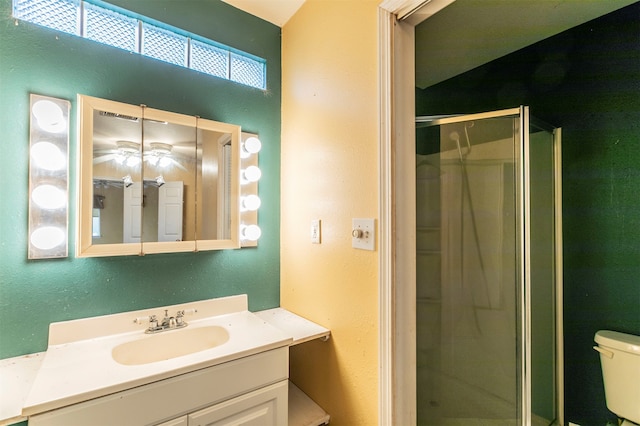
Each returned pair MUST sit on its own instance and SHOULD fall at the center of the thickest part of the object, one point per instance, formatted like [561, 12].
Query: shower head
[455, 136]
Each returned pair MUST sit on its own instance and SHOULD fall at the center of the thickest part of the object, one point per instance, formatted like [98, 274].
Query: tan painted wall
[330, 172]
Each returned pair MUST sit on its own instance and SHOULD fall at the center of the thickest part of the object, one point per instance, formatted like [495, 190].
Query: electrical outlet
[316, 232]
[363, 234]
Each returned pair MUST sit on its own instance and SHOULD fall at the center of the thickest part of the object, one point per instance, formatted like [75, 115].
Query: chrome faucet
[168, 323]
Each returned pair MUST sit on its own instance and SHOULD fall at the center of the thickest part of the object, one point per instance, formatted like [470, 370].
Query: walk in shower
[487, 286]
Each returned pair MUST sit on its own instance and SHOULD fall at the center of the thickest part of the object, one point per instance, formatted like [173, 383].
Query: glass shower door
[473, 318]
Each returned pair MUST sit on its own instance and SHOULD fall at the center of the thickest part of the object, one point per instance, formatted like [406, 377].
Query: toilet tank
[620, 360]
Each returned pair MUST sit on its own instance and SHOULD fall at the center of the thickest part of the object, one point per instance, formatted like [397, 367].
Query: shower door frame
[523, 239]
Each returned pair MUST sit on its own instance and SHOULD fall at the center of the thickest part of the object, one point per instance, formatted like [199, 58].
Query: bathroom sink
[169, 344]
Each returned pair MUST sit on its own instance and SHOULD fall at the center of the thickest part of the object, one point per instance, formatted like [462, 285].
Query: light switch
[363, 234]
[315, 231]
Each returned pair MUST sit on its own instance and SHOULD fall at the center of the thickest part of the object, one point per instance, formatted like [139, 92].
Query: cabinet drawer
[263, 407]
[170, 398]
[180, 421]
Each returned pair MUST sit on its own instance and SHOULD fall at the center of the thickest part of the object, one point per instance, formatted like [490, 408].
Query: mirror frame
[84, 245]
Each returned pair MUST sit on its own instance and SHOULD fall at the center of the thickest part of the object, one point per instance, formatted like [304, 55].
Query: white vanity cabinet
[264, 407]
[247, 391]
[83, 379]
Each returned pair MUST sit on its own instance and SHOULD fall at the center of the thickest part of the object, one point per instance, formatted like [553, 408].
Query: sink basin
[169, 344]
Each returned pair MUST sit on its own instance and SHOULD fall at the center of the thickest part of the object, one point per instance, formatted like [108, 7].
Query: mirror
[153, 181]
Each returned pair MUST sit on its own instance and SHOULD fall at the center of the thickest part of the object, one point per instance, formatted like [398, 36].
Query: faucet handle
[142, 320]
[179, 318]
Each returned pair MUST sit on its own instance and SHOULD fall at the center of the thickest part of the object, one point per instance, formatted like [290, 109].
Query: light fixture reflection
[164, 162]
[127, 180]
[159, 154]
[128, 153]
[132, 161]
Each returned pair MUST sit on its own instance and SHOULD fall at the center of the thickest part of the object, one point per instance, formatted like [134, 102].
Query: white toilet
[620, 360]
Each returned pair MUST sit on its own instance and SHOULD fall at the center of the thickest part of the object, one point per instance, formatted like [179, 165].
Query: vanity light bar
[249, 201]
[48, 177]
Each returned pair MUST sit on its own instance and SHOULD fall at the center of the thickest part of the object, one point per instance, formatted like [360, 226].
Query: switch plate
[363, 234]
[316, 231]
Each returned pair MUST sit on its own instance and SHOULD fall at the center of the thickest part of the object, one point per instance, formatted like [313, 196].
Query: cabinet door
[264, 407]
[180, 421]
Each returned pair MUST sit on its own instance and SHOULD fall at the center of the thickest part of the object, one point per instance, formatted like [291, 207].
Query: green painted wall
[34, 59]
[586, 80]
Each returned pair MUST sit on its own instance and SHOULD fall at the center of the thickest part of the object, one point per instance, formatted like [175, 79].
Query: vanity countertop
[78, 371]
[16, 378]
[299, 328]
[77, 367]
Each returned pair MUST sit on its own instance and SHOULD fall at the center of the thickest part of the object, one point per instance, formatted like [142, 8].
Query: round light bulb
[164, 162]
[49, 197]
[251, 202]
[48, 156]
[47, 237]
[49, 116]
[252, 174]
[132, 161]
[251, 232]
[251, 146]
[128, 181]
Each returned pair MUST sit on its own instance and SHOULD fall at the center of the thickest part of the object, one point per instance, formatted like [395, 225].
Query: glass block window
[61, 15]
[247, 71]
[118, 27]
[109, 27]
[164, 45]
[209, 59]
